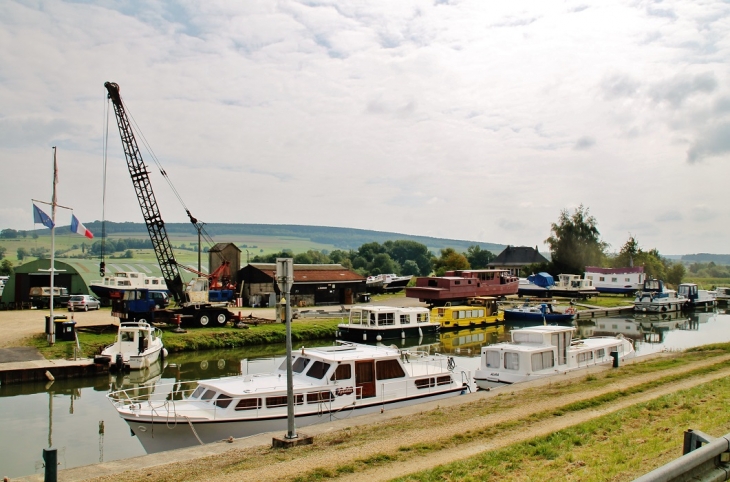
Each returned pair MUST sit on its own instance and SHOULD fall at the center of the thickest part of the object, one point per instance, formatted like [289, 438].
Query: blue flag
[39, 217]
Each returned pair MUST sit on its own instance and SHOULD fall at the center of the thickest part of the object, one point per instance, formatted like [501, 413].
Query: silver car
[83, 302]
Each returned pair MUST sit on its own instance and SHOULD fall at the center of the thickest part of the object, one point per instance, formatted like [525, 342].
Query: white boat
[543, 351]
[377, 323]
[656, 298]
[626, 280]
[722, 294]
[113, 286]
[138, 346]
[386, 283]
[573, 286]
[696, 298]
[329, 383]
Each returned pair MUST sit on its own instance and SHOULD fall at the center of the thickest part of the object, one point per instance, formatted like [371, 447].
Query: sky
[468, 120]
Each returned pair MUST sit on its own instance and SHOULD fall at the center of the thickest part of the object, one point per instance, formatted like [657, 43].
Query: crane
[194, 302]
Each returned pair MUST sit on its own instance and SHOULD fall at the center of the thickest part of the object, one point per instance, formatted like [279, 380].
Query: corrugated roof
[518, 256]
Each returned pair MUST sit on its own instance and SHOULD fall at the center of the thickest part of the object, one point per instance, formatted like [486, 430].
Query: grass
[609, 301]
[196, 338]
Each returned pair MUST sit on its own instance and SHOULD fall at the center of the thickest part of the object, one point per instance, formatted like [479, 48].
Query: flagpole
[51, 329]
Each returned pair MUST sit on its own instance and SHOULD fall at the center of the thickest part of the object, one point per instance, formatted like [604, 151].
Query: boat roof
[545, 329]
[377, 308]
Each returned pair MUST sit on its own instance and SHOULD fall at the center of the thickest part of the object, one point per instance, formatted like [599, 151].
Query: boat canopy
[542, 279]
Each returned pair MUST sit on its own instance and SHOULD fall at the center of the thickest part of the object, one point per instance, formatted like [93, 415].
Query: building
[221, 252]
[314, 284]
[514, 258]
[73, 274]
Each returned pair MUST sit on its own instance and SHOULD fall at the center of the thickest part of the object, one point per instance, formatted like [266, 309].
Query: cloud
[715, 141]
[703, 213]
[619, 85]
[584, 143]
[510, 225]
[678, 89]
[669, 216]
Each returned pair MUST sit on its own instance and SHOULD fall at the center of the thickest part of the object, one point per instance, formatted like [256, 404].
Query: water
[68, 414]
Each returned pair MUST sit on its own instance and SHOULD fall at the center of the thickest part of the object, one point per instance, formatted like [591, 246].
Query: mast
[51, 329]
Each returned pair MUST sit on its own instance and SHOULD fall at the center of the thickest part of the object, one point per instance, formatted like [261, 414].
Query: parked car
[83, 302]
[162, 299]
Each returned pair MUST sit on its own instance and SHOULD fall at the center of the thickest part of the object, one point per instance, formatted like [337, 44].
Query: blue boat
[543, 312]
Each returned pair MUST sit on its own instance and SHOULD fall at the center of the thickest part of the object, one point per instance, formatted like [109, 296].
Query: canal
[74, 416]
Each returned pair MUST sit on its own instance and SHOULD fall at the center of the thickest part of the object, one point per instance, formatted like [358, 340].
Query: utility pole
[285, 278]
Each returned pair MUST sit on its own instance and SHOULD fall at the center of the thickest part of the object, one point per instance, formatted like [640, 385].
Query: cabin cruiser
[329, 383]
[138, 346]
[696, 298]
[113, 286]
[543, 351]
[386, 283]
[377, 323]
[656, 298]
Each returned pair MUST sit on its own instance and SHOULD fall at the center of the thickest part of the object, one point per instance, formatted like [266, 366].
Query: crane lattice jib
[146, 197]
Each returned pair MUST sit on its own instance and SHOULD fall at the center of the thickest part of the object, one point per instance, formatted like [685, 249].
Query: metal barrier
[704, 458]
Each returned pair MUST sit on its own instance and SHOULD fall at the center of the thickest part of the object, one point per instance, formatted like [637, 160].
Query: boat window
[405, 319]
[601, 353]
[197, 392]
[522, 337]
[317, 397]
[444, 380]
[281, 401]
[425, 383]
[457, 282]
[300, 363]
[248, 404]
[318, 370]
[343, 372]
[422, 317]
[386, 319]
[585, 356]
[208, 395]
[356, 317]
[543, 360]
[511, 361]
[127, 336]
[492, 359]
[223, 400]
[432, 283]
[387, 369]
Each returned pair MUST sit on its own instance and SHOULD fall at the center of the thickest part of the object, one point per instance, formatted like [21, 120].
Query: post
[50, 459]
[284, 278]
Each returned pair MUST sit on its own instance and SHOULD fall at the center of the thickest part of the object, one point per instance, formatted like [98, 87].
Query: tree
[8, 233]
[449, 260]
[6, 268]
[410, 268]
[575, 242]
[3, 250]
[369, 250]
[675, 274]
[22, 254]
[479, 258]
[383, 264]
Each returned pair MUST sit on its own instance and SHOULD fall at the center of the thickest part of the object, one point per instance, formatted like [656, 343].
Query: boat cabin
[376, 323]
[463, 284]
[467, 315]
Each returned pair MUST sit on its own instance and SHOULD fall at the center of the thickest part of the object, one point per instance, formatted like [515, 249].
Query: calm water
[75, 418]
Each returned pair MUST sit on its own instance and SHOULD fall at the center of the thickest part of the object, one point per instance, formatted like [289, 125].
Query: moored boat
[573, 286]
[329, 383]
[112, 287]
[138, 346]
[722, 294]
[656, 298]
[696, 298]
[459, 285]
[544, 351]
[543, 312]
[461, 316]
[626, 280]
[377, 323]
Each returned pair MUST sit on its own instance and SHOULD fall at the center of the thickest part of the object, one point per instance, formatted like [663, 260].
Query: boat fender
[379, 338]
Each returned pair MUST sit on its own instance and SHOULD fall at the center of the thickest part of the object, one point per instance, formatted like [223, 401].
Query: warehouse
[314, 284]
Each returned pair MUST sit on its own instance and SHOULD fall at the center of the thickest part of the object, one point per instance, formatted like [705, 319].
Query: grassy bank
[195, 338]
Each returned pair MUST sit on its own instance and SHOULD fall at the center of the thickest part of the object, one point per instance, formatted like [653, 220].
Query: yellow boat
[480, 311]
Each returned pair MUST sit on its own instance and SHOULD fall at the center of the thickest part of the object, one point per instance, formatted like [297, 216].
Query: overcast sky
[470, 120]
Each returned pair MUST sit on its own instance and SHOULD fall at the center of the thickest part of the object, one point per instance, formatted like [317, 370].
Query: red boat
[463, 284]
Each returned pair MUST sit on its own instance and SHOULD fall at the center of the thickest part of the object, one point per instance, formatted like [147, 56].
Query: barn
[314, 284]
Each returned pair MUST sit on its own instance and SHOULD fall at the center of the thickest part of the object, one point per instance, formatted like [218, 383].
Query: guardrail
[704, 458]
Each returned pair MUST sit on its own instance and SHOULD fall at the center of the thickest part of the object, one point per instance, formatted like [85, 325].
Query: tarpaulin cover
[543, 280]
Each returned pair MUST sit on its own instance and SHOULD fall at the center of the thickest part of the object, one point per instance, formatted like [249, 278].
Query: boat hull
[165, 434]
[512, 315]
[350, 333]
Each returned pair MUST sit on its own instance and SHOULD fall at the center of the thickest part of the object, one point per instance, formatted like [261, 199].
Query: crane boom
[146, 197]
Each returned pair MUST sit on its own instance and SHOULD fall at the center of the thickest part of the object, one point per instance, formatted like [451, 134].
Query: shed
[73, 274]
[514, 258]
[225, 252]
[314, 284]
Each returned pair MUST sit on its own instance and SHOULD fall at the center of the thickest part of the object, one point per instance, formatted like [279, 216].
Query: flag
[40, 217]
[78, 228]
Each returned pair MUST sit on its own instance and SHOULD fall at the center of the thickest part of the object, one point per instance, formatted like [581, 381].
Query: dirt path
[261, 467]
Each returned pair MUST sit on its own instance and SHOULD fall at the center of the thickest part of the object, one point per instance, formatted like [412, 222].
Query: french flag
[78, 228]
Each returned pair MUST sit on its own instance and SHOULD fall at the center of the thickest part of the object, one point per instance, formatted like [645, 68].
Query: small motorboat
[543, 312]
[138, 346]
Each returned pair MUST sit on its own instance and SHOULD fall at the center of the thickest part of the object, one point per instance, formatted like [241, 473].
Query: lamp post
[285, 278]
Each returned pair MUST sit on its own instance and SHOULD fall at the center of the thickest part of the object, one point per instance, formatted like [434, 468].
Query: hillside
[336, 238]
